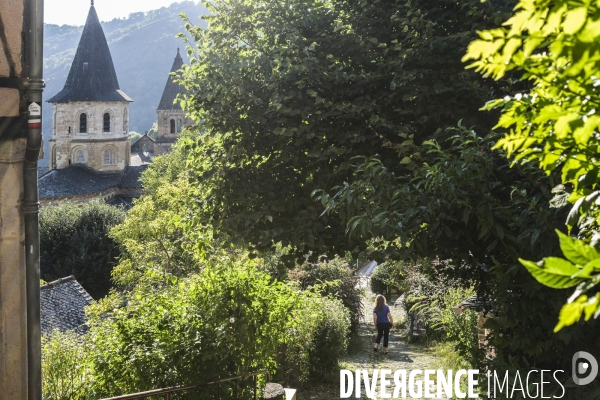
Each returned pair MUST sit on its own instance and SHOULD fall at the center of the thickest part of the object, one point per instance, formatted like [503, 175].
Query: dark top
[92, 76]
[382, 315]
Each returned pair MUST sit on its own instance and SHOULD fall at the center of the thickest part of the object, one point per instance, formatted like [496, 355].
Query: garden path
[401, 353]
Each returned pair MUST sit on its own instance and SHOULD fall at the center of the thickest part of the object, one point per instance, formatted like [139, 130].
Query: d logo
[581, 368]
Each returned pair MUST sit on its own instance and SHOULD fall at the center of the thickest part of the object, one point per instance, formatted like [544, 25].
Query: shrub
[458, 328]
[74, 241]
[66, 373]
[319, 332]
[387, 276]
[333, 278]
[221, 322]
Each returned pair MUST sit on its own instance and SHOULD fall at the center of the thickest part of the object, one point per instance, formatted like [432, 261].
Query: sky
[74, 12]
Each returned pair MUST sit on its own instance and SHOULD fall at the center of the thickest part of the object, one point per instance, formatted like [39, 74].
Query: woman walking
[382, 318]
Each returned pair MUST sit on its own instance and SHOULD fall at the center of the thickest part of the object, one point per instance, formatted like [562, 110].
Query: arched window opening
[125, 121]
[106, 127]
[80, 156]
[69, 130]
[172, 126]
[107, 157]
[178, 126]
[83, 123]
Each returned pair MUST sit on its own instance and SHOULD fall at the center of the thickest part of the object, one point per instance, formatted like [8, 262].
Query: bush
[333, 278]
[460, 329]
[319, 335]
[221, 322]
[387, 276]
[74, 241]
[66, 373]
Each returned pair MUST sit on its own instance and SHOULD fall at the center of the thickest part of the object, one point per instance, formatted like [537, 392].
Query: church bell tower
[90, 116]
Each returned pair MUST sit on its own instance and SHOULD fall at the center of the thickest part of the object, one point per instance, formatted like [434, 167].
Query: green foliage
[153, 132]
[332, 278]
[153, 238]
[66, 371]
[287, 98]
[466, 205]
[387, 276]
[461, 329]
[223, 322]
[556, 47]
[134, 137]
[447, 358]
[318, 339]
[74, 241]
[161, 238]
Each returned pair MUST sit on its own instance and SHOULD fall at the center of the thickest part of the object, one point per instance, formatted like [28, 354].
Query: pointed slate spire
[171, 88]
[92, 76]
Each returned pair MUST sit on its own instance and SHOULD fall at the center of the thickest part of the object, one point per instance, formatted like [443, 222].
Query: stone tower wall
[67, 139]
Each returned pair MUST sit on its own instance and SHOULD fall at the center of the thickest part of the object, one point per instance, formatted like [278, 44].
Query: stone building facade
[145, 144]
[94, 134]
[171, 118]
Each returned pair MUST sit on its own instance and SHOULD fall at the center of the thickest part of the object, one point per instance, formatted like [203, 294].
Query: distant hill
[143, 47]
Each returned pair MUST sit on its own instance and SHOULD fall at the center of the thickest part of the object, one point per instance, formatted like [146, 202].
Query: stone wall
[165, 139]
[163, 147]
[484, 333]
[67, 141]
[145, 143]
[13, 302]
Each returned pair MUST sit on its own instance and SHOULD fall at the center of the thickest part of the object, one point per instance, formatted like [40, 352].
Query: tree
[74, 241]
[286, 99]
[468, 207]
[556, 47]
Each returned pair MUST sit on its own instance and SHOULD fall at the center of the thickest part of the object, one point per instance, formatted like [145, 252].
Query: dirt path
[401, 354]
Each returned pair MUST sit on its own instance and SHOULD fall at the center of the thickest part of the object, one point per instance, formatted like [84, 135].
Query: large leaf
[553, 272]
[576, 250]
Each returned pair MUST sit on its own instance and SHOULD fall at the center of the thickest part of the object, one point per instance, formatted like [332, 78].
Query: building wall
[145, 143]
[13, 302]
[164, 123]
[165, 139]
[67, 140]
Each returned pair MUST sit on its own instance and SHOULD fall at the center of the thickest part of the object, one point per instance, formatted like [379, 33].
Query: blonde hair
[380, 302]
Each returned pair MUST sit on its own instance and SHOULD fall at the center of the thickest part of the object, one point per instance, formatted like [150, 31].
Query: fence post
[168, 397]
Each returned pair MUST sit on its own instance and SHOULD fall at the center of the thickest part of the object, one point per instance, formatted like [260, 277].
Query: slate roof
[131, 177]
[42, 171]
[78, 180]
[171, 88]
[62, 305]
[92, 76]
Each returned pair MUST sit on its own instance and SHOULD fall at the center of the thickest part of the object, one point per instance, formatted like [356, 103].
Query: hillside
[143, 47]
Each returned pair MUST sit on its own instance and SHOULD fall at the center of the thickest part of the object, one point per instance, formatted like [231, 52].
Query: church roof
[62, 306]
[79, 180]
[171, 88]
[76, 180]
[92, 76]
[131, 176]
